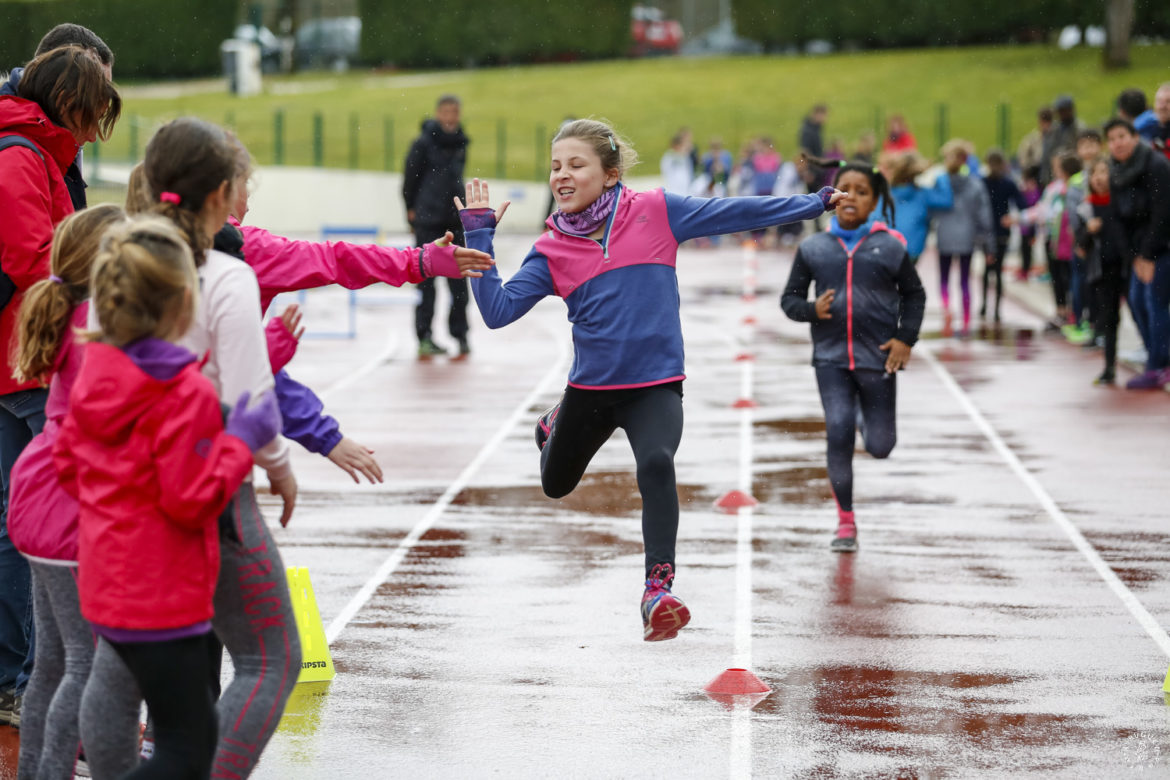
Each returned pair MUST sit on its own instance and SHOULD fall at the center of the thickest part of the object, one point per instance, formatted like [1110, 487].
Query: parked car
[268, 42]
[653, 33]
[328, 43]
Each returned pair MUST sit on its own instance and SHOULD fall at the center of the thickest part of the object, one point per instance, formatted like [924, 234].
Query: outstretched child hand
[832, 197]
[478, 200]
[824, 301]
[354, 459]
[898, 357]
[471, 261]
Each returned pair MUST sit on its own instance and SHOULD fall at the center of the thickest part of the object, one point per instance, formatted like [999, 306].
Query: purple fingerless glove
[477, 219]
[825, 193]
[257, 426]
[440, 261]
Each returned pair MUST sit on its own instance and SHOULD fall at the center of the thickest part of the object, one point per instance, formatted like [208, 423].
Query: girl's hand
[824, 302]
[1094, 225]
[286, 488]
[353, 458]
[899, 355]
[1143, 269]
[836, 198]
[471, 261]
[291, 319]
[477, 198]
[1007, 220]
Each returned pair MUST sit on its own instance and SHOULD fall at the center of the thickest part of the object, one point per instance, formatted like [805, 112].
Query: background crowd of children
[1082, 207]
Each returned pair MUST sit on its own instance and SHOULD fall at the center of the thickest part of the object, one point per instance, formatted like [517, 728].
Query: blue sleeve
[691, 217]
[304, 420]
[940, 197]
[500, 303]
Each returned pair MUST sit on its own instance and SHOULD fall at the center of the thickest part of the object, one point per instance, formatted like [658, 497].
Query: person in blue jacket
[914, 205]
[865, 320]
[610, 254]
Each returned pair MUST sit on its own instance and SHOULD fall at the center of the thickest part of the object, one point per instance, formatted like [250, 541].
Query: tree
[1118, 25]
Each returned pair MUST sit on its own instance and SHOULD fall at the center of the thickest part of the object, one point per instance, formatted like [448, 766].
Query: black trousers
[652, 418]
[172, 677]
[993, 267]
[424, 312]
[843, 393]
[1108, 292]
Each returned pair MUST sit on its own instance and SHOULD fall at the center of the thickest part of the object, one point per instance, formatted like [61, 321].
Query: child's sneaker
[428, 349]
[846, 539]
[663, 613]
[544, 425]
[1147, 380]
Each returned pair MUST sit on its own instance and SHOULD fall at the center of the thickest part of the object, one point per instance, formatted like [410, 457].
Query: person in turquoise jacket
[913, 204]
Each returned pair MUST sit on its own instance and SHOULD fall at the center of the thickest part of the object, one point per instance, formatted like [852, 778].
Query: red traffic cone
[737, 687]
[744, 357]
[734, 500]
[744, 403]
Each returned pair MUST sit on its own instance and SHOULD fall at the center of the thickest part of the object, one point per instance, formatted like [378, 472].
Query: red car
[652, 33]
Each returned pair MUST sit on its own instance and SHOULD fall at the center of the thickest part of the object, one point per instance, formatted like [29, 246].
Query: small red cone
[749, 320]
[736, 688]
[734, 500]
[744, 357]
[744, 403]
[748, 298]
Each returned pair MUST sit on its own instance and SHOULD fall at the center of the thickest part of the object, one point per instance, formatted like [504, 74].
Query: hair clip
[612, 145]
[841, 163]
[170, 197]
[56, 279]
[877, 169]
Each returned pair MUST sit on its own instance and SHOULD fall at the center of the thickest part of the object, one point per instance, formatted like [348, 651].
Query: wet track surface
[969, 636]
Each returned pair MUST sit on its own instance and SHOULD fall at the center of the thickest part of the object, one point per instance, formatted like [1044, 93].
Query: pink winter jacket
[42, 517]
[284, 265]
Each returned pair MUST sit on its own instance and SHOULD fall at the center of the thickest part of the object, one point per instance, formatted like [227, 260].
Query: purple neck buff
[582, 223]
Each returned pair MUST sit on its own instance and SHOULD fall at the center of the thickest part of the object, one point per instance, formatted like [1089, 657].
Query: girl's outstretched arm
[500, 303]
[692, 217]
[940, 197]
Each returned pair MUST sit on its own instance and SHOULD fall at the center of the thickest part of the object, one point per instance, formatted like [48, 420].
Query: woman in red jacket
[146, 452]
[64, 100]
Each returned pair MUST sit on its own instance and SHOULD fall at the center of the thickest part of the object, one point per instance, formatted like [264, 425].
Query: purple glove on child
[477, 219]
[825, 194]
[256, 426]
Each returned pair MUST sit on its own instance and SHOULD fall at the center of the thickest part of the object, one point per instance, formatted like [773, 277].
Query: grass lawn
[369, 119]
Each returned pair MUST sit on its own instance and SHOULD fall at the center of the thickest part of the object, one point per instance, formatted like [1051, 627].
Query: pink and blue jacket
[622, 290]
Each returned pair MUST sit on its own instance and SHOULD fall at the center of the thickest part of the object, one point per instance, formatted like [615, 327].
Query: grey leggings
[254, 619]
[64, 651]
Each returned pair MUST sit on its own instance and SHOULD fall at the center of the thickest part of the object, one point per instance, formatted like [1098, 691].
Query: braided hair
[877, 180]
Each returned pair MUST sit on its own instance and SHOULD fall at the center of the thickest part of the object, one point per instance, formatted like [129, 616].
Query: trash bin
[241, 65]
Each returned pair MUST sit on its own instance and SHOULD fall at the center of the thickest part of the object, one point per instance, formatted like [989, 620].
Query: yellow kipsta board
[316, 663]
[1166, 683]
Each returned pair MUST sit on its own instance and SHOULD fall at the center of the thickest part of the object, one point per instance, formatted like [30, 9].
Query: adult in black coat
[432, 179]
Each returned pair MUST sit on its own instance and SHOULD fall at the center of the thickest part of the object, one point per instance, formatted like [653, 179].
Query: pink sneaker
[663, 613]
[846, 538]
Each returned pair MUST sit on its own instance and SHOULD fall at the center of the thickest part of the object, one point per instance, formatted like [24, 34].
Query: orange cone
[734, 500]
[744, 403]
[737, 688]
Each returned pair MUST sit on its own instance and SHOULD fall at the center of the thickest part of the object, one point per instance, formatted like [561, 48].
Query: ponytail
[48, 305]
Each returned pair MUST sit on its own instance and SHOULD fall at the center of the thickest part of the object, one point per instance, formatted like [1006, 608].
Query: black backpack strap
[9, 141]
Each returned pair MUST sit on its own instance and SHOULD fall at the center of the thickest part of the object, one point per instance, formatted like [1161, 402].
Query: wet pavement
[482, 630]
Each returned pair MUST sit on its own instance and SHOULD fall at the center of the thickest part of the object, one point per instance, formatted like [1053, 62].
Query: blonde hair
[905, 167]
[144, 282]
[48, 305]
[616, 152]
[955, 146]
[138, 198]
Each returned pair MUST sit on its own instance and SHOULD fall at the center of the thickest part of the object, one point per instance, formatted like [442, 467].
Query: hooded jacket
[33, 199]
[878, 296]
[912, 210]
[1140, 192]
[433, 175]
[968, 223]
[622, 290]
[152, 468]
[73, 178]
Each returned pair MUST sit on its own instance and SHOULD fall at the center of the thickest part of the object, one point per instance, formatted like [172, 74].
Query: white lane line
[1144, 618]
[740, 759]
[338, 624]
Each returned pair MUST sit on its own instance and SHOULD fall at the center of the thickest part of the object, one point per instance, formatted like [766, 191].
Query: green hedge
[150, 38]
[782, 23]
[446, 33]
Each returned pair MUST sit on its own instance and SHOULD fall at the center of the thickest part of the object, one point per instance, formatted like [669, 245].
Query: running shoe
[1106, 378]
[544, 426]
[464, 347]
[1147, 380]
[428, 349]
[663, 613]
[846, 539]
[10, 708]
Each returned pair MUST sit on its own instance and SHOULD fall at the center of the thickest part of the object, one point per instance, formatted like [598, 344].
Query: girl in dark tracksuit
[865, 319]
[1108, 255]
[610, 255]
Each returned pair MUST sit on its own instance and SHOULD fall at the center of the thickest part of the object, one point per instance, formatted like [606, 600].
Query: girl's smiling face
[1099, 178]
[577, 177]
[853, 212]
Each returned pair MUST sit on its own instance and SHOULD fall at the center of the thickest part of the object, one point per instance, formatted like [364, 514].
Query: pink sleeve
[284, 265]
[282, 345]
